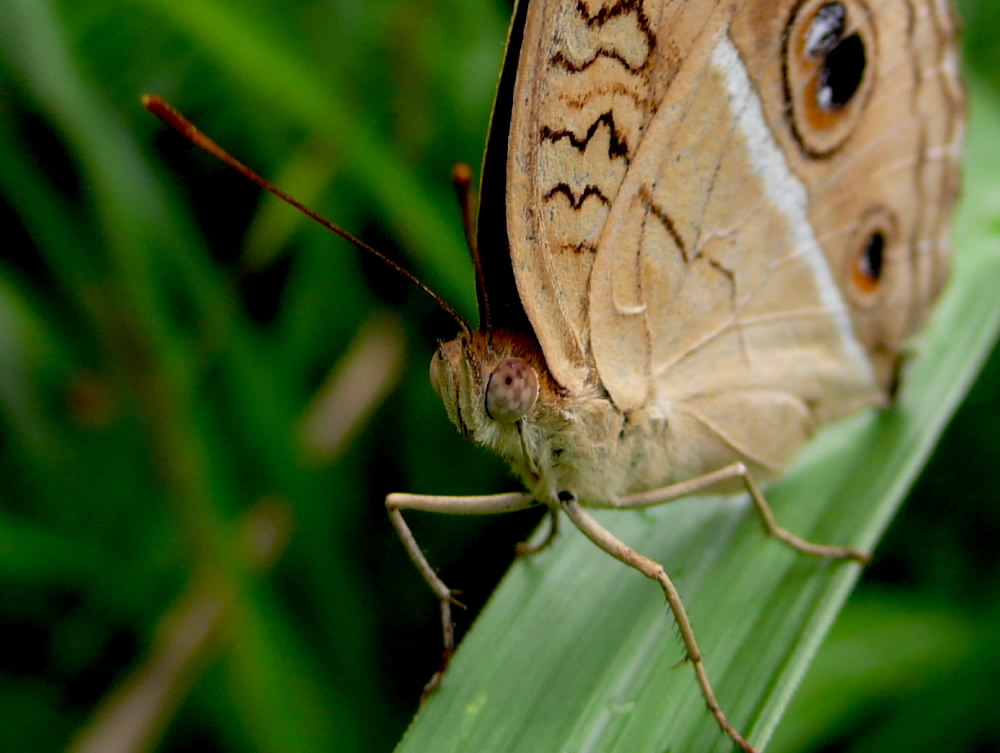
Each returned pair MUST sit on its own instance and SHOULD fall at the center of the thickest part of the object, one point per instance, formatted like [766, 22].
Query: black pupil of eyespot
[842, 72]
[844, 58]
[873, 257]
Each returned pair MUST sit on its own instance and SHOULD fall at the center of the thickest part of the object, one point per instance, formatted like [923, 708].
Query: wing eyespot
[869, 263]
[871, 255]
[829, 59]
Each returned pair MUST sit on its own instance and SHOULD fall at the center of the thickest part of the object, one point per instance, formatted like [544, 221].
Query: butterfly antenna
[461, 180]
[173, 118]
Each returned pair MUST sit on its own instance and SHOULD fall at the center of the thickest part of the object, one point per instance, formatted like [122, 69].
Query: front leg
[483, 505]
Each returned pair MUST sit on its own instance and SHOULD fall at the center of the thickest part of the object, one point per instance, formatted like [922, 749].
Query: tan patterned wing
[731, 213]
[591, 77]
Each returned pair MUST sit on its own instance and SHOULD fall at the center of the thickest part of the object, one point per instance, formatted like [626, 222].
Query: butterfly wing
[581, 104]
[687, 232]
[499, 302]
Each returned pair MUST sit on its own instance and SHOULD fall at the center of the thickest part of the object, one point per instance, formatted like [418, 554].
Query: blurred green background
[165, 329]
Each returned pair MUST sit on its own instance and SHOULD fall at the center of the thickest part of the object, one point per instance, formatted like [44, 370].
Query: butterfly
[706, 230]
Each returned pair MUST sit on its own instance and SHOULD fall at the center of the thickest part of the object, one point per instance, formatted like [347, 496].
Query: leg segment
[485, 505]
[526, 549]
[654, 570]
[739, 471]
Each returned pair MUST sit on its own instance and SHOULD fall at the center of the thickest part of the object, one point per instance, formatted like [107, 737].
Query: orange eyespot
[868, 255]
[838, 56]
[830, 58]
[512, 390]
[869, 263]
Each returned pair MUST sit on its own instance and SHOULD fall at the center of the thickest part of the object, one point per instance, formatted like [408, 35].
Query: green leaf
[577, 653]
[865, 667]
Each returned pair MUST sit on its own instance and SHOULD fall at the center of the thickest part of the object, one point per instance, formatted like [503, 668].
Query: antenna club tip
[159, 107]
[461, 174]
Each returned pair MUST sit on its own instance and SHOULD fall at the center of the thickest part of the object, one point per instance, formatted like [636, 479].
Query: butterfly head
[490, 385]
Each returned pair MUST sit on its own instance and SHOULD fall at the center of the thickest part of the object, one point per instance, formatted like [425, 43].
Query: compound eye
[511, 391]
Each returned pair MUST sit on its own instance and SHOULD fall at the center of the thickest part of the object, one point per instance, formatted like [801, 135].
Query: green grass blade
[576, 653]
[863, 663]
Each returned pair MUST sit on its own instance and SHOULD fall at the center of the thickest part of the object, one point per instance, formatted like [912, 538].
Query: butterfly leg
[806, 547]
[739, 471]
[484, 505]
[526, 548]
[654, 570]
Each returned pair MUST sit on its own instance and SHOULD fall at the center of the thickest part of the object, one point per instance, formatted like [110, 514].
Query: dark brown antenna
[173, 118]
[461, 180]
